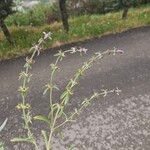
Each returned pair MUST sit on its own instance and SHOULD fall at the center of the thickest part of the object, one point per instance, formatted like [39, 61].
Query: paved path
[114, 123]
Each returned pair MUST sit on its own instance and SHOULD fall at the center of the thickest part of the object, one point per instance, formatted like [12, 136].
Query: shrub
[53, 14]
[89, 6]
[46, 14]
[37, 16]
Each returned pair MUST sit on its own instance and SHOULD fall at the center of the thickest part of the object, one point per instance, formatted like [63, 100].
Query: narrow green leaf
[3, 125]
[45, 136]
[60, 112]
[71, 147]
[1, 146]
[56, 106]
[63, 95]
[45, 91]
[61, 135]
[42, 118]
[21, 139]
[66, 99]
[55, 87]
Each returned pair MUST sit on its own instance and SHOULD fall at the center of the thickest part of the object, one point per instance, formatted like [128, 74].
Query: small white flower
[82, 50]
[120, 51]
[115, 50]
[73, 50]
[105, 92]
[47, 35]
[117, 91]
[99, 54]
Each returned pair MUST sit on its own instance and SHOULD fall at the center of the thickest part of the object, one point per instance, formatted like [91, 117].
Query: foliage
[1, 146]
[48, 13]
[81, 7]
[37, 16]
[57, 117]
[18, 6]
[5, 8]
[81, 28]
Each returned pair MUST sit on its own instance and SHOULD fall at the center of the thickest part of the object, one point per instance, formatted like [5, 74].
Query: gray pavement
[111, 123]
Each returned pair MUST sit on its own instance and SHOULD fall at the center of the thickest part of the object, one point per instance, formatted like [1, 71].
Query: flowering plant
[57, 116]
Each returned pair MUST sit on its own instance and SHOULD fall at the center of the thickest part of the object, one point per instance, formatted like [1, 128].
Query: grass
[81, 28]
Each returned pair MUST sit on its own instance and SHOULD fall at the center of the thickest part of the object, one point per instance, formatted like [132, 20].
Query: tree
[5, 11]
[64, 14]
[125, 5]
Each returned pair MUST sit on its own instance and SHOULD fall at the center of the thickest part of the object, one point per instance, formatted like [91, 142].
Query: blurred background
[23, 21]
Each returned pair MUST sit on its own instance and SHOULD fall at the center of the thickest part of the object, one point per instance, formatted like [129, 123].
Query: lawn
[81, 28]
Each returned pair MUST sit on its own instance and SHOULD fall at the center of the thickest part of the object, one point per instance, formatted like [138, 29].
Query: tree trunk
[103, 7]
[64, 15]
[145, 1]
[6, 31]
[125, 12]
[126, 5]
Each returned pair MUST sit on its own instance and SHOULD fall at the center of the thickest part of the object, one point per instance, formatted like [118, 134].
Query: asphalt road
[112, 123]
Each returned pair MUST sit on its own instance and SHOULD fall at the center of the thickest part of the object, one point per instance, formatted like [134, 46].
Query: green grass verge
[81, 28]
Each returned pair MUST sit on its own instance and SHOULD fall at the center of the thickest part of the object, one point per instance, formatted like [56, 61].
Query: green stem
[80, 109]
[48, 147]
[87, 66]
[51, 90]
[30, 135]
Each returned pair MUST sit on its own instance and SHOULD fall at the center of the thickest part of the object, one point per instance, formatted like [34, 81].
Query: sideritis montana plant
[56, 117]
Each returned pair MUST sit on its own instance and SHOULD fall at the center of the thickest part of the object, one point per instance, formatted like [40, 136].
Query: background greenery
[26, 27]
[44, 13]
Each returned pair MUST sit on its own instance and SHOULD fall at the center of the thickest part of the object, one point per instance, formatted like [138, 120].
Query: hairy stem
[51, 90]
[84, 105]
[49, 145]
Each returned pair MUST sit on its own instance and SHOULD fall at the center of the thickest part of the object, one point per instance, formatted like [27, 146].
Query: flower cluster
[38, 47]
[75, 49]
[23, 106]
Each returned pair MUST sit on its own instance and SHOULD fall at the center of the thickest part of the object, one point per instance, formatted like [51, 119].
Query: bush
[37, 16]
[90, 6]
[80, 7]
[46, 14]
[81, 28]
[53, 14]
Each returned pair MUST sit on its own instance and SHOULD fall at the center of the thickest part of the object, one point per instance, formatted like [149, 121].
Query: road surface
[111, 123]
